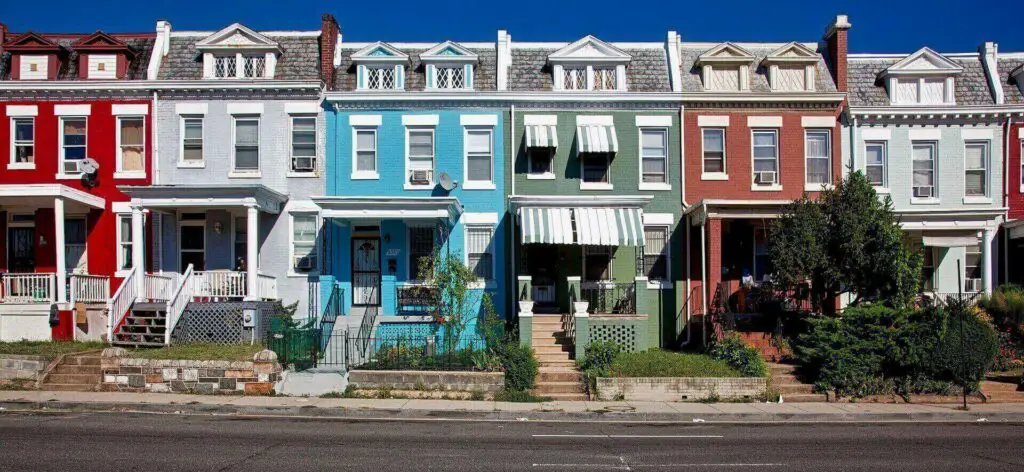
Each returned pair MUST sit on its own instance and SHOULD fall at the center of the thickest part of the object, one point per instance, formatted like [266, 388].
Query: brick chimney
[836, 41]
[329, 31]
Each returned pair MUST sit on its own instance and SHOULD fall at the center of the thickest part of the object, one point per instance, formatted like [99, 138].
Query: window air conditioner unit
[420, 177]
[72, 167]
[924, 192]
[766, 177]
[304, 263]
[304, 163]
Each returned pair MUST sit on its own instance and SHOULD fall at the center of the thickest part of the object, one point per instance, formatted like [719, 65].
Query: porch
[958, 249]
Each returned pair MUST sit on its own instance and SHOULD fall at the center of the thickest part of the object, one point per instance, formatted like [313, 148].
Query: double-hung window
[303, 144]
[656, 253]
[304, 256]
[124, 242]
[24, 143]
[247, 144]
[972, 268]
[365, 152]
[924, 170]
[876, 158]
[192, 140]
[479, 156]
[420, 156]
[131, 151]
[766, 157]
[480, 256]
[976, 169]
[818, 153]
[714, 150]
[597, 167]
[654, 156]
[72, 143]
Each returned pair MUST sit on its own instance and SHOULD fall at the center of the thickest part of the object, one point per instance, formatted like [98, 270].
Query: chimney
[836, 41]
[989, 54]
[329, 31]
[504, 58]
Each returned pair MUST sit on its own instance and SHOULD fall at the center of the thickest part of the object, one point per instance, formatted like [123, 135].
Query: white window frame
[291, 146]
[584, 185]
[317, 223]
[12, 164]
[119, 259]
[226, 57]
[365, 174]
[597, 73]
[987, 170]
[808, 185]
[567, 71]
[948, 86]
[934, 199]
[561, 72]
[662, 186]
[246, 173]
[61, 172]
[476, 184]
[120, 173]
[667, 251]
[396, 71]
[256, 58]
[753, 160]
[182, 119]
[455, 68]
[882, 187]
[704, 174]
[530, 174]
[490, 280]
[611, 264]
[409, 130]
[973, 249]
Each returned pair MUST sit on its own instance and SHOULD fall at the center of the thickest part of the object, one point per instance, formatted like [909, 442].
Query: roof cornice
[106, 85]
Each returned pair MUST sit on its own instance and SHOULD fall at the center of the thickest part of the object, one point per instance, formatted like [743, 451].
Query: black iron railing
[439, 353]
[416, 300]
[610, 298]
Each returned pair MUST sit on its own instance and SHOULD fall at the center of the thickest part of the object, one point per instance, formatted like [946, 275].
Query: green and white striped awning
[583, 226]
[597, 138]
[546, 225]
[541, 136]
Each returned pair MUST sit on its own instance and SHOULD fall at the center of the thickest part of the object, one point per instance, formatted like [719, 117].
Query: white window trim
[11, 165]
[550, 175]
[123, 174]
[363, 174]
[291, 146]
[654, 186]
[934, 200]
[724, 174]
[476, 184]
[61, 174]
[182, 163]
[246, 174]
[119, 260]
[884, 188]
[667, 283]
[490, 282]
[948, 90]
[363, 71]
[467, 75]
[315, 271]
[979, 199]
[754, 186]
[813, 187]
[409, 128]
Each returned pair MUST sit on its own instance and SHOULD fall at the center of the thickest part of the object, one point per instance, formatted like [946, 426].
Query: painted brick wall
[1015, 199]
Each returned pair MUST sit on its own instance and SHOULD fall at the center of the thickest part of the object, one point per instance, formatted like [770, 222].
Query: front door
[366, 271]
[21, 249]
[193, 247]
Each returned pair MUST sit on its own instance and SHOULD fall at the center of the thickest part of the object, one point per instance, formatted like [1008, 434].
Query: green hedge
[739, 356]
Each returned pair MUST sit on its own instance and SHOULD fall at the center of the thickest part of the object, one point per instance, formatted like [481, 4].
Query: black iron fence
[440, 353]
[610, 298]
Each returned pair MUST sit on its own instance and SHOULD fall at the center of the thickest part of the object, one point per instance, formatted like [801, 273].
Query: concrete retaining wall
[128, 374]
[680, 388]
[487, 382]
[13, 366]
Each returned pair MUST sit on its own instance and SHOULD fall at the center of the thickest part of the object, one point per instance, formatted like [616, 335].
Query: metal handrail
[610, 298]
[569, 319]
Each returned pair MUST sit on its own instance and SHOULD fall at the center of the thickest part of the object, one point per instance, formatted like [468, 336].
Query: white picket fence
[160, 285]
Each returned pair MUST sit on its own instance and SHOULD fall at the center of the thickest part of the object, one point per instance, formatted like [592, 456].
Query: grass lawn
[657, 363]
[48, 349]
[199, 352]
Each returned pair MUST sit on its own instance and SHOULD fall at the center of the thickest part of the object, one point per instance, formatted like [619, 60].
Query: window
[589, 78]
[975, 168]
[766, 157]
[366, 151]
[479, 156]
[654, 155]
[72, 148]
[574, 78]
[928, 269]
[924, 170]
[791, 79]
[24, 151]
[933, 91]
[450, 77]
[241, 242]
[656, 253]
[74, 245]
[380, 78]
[596, 167]
[124, 242]
[304, 229]
[725, 78]
[541, 160]
[131, 131]
[303, 144]
[247, 144]
[421, 249]
[192, 140]
[604, 79]
[478, 250]
[876, 161]
[420, 157]
[972, 268]
[919, 91]
[224, 66]
[597, 263]
[818, 148]
[714, 150]
[254, 66]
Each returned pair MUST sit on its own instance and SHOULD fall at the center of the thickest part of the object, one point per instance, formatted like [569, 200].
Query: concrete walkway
[490, 410]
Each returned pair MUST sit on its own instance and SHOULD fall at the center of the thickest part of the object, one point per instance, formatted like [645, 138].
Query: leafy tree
[846, 241]
[450, 284]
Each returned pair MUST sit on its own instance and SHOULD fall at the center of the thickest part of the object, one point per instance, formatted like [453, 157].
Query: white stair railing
[120, 303]
[159, 286]
[220, 284]
[89, 288]
[28, 288]
[178, 301]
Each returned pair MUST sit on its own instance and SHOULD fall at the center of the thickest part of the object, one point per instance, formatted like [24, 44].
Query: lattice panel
[386, 331]
[451, 77]
[381, 78]
[624, 335]
[221, 322]
[255, 65]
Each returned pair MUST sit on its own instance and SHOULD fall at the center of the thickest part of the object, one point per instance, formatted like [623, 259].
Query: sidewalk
[489, 410]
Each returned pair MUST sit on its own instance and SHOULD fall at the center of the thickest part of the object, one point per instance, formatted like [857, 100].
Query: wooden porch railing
[30, 288]
[89, 288]
[121, 302]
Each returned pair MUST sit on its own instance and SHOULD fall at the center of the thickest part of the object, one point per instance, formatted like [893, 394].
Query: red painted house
[761, 127]
[1011, 79]
[77, 124]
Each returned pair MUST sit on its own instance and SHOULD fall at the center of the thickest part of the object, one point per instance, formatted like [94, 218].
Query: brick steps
[75, 373]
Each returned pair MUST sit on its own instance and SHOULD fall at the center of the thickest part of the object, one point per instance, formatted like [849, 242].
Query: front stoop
[558, 377]
[1001, 392]
[76, 373]
[786, 383]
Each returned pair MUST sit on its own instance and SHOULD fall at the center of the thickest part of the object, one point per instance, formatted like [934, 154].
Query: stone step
[805, 398]
[565, 397]
[69, 387]
[784, 379]
[546, 358]
[557, 387]
[776, 368]
[83, 360]
[568, 363]
[543, 342]
[76, 369]
[551, 349]
[89, 379]
[545, 377]
[795, 388]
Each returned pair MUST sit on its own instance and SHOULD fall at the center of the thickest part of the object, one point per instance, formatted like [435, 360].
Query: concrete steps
[787, 383]
[558, 377]
[1001, 392]
[76, 373]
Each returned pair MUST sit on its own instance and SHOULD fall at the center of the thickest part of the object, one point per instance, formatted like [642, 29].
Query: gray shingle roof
[142, 49]
[1011, 88]
[759, 75]
[646, 72]
[484, 74]
[299, 59]
[865, 89]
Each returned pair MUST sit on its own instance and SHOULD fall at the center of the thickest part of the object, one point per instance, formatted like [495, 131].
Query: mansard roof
[298, 59]
[484, 70]
[139, 48]
[690, 69]
[865, 79]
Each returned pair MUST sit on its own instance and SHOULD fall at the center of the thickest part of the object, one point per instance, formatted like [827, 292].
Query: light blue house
[413, 165]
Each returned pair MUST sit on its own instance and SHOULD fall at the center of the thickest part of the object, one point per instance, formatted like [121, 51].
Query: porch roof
[735, 209]
[389, 207]
[206, 196]
[599, 220]
[32, 194]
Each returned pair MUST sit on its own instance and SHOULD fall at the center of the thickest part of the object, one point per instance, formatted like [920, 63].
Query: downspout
[1006, 194]
[686, 222]
[682, 156]
[513, 262]
[853, 142]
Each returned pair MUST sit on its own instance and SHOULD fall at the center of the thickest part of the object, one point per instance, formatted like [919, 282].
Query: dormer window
[449, 66]
[380, 78]
[101, 56]
[380, 66]
[725, 68]
[589, 64]
[33, 57]
[1018, 77]
[237, 52]
[923, 78]
[33, 67]
[224, 66]
[791, 68]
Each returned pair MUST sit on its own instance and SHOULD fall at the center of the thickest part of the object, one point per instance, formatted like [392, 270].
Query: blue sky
[897, 26]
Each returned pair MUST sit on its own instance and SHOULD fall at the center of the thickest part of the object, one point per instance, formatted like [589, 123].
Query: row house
[762, 128]
[1010, 70]
[76, 126]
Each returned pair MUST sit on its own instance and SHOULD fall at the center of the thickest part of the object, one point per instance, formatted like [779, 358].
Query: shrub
[658, 363]
[1006, 307]
[739, 356]
[520, 365]
[599, 355]
[968, 348]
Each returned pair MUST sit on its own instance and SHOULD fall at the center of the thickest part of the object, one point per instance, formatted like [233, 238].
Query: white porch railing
[28, 288]
[219, 284]
[160, 286]
[266, 287]
[973, 285]
[121, 302]
[177, 303]
[89, 288]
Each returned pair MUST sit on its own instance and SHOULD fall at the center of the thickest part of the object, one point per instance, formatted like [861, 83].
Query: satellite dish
[446, 182]
[88, 166]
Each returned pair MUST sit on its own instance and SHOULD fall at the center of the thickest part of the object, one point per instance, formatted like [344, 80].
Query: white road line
[643, 466]
[628, 436]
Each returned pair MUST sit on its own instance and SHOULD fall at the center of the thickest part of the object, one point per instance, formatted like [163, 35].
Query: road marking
[631, 436]
[643, 466]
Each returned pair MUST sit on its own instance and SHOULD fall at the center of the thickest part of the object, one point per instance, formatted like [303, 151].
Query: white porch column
[138, 251]
[252, 251]
[987, 272]
[58, 247]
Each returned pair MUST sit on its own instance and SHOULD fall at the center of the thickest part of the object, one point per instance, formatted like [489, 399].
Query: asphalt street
[115, 441]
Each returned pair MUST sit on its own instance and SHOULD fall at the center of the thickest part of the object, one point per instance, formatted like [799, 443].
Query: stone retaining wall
[128, 374]
[14, 366]
[487, 382]
[680, 388]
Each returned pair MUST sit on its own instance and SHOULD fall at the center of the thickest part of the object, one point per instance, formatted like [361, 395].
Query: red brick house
[1010, 67]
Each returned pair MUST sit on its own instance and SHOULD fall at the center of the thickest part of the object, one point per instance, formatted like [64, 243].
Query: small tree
[846, 241]
[457, 305]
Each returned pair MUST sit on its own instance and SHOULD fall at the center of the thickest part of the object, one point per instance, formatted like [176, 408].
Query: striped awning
[546, 225]
[597, 138]
[609, 226]
[541, 136]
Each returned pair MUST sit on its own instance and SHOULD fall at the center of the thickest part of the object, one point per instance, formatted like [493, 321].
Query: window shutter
[469, 76]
